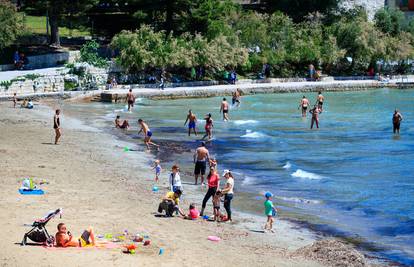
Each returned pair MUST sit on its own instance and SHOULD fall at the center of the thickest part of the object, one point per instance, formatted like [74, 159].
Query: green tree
[10, 24]
[391, 21]
[56, 10]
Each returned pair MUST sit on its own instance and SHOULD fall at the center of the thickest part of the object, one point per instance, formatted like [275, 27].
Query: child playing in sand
[216, 205]
[193, 213]
[270, 212]
[158, 169]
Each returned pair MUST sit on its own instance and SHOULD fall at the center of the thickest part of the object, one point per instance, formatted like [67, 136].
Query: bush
[89, 54]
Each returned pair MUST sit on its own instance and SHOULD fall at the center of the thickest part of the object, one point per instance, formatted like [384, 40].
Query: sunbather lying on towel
[65, 239]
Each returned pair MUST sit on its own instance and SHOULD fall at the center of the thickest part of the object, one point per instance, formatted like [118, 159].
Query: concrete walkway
[253, 88]
[9, 75]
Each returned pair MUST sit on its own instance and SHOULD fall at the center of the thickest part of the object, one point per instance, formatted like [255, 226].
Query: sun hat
[226, 172]
[268, 194]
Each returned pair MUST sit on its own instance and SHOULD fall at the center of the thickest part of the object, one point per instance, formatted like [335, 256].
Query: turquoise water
[352, 176]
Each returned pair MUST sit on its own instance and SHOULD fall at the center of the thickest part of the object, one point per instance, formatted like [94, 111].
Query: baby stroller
[39, 233]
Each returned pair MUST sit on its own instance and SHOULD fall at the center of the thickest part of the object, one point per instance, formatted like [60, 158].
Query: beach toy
[126, 149]
[147, 242]
[205, 217]
[213, 238]
[161, 251]
[138, 238]
[155, 188]
[108, 236]
[24, 191]
[101, 236]
[130, 248]
[258, 197]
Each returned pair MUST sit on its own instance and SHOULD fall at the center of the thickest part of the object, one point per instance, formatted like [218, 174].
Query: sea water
[352, 177]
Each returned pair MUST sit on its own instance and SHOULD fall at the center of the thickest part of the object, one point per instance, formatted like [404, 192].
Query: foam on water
[299, 200]
[306, 175]
[252, 134]
[243, 122]
[287, 166]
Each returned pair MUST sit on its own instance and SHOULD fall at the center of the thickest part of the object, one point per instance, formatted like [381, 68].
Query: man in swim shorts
[319, 101]
[65, 239]
[201, 157]
[130, 98]
[147, 134]
[123, 125]
[396, 121]
[304, 103]
[225, 109]
[191, 119]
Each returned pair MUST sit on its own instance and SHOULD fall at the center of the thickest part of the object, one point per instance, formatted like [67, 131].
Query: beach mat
[31, 192]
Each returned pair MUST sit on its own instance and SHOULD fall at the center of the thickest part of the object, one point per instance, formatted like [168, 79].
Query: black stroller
[39, 233]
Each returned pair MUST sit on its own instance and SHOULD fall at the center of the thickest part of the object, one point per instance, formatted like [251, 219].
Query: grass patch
[70, 86]
[37, 25]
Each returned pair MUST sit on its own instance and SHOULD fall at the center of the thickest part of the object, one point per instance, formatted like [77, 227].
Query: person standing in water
[191, 119]
[147, 134]
[130, 98]
[56, 126]
[225, 109]
[208, 127]
[315, 116]
[396, 121]
[304, 103]
[319, 101]
[236, 97]
[201, 157]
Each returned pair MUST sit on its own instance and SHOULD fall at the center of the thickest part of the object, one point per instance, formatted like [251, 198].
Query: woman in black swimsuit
[56, 126]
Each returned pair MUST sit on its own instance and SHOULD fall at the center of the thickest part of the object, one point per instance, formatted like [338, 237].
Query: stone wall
[25, 86]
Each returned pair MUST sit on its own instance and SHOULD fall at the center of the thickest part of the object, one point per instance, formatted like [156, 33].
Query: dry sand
[98, 184]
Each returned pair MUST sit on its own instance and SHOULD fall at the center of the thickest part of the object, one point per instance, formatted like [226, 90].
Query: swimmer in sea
[315, 118]
[147, 134]
[319, 101]
[396, 121]
[225, 109]
[123, 125]
[130, 98]
[208, 127]
[304, 103]
[191, 119]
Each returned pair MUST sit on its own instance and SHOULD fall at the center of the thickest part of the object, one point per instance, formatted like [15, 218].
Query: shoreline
[248, 217]
[114, 95]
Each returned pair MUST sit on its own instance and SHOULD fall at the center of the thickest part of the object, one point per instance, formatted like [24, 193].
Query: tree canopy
[10, 24]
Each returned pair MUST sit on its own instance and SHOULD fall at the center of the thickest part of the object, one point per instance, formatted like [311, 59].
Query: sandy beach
[95, 183]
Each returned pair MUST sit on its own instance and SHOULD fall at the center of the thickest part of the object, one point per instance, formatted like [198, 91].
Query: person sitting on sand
[170, 203]
[30, 104]
[64, 238]
[123, 125]
[216, 205]
[193, 213]
[24, 104]
[147, 134]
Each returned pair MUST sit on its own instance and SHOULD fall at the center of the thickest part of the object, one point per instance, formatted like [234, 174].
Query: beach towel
[99, 245]
[31, 192]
